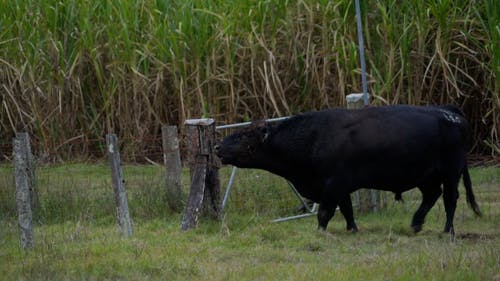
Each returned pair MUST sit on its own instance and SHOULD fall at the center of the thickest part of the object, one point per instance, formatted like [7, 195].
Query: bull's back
[394, 147]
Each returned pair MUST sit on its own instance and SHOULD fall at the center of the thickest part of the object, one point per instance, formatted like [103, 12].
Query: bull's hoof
[417, 228]
[321, 228]
[449, 229]
[352, 229]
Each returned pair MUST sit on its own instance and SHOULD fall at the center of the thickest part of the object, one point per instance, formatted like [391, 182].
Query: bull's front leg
[345, 206]
[330, 198]
[325, 213]
[327, 209]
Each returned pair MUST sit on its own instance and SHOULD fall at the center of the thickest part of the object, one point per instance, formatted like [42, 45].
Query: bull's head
[244, 148]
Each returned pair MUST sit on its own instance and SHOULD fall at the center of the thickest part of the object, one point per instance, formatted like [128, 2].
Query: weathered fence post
[118, 185]
[212, 203]
[172, 161]
[202, 136]
[23, 190]
[365, 199]
[205, 184]
[35, 201]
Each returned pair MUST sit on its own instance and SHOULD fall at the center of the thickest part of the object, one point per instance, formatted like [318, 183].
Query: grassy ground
[78, 239]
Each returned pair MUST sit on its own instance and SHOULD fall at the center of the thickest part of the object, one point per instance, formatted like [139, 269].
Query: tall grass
[74, 70]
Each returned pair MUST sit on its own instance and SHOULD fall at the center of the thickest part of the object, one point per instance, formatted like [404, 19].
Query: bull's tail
[471, 199]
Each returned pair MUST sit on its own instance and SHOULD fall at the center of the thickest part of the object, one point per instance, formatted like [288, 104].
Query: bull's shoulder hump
[451, 116]
[448, 113]
[452, 108]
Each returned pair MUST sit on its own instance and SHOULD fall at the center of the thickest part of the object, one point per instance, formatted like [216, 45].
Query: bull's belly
[310, 189]
[395, 178]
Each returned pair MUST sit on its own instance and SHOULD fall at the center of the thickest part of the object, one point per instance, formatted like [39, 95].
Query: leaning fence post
[212, 204]
[172, 161]
[365, 199]
[205, 184]
[118, 185]
[23, 196]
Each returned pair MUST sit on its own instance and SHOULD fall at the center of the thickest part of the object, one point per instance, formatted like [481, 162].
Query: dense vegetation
[71, 71]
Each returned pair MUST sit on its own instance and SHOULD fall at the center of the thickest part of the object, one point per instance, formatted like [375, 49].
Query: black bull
[329, 154]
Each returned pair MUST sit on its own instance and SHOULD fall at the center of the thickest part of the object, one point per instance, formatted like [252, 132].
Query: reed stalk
[86, 67]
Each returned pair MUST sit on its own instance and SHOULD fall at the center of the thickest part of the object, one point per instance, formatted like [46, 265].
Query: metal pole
[361, 53]
[295, 217]
[229, 184]
[301, 199]
[244, 124]
[312, 212]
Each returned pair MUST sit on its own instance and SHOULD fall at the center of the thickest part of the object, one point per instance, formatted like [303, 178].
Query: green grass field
[76, 235]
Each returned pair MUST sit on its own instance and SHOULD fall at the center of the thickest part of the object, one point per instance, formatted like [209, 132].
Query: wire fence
[83, 192]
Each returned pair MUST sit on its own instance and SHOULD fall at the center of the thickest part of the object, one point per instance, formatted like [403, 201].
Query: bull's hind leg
[345, 206]
[450, 196]
[430, 194]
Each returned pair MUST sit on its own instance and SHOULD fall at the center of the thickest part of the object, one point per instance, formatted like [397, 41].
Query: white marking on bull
[450, 116]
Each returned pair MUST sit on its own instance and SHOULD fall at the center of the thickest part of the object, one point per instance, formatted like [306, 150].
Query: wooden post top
[199, 122]
[355, 97]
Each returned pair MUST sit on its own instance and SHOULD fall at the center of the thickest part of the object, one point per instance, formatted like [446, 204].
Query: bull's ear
[262, 127]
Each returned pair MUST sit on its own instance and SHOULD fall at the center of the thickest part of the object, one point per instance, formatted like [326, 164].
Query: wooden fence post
[23, 190]
[172, 161]
[212, 202]
[118, 185]
[35, 201]
[365, 199]
[205, 184]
